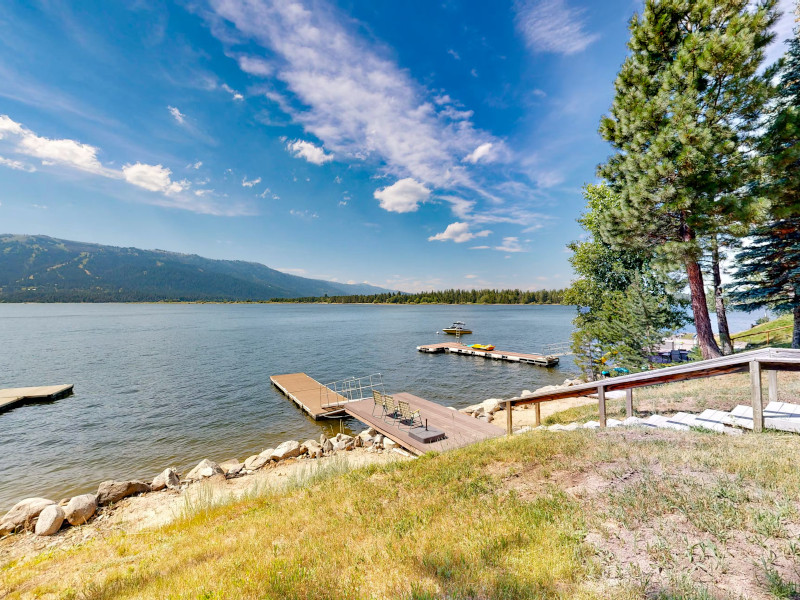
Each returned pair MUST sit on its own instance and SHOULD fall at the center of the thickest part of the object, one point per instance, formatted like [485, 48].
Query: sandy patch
[526, 415]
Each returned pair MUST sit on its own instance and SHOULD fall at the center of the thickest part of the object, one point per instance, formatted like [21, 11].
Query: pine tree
[625, 307]
[688, 98]
[769, 267]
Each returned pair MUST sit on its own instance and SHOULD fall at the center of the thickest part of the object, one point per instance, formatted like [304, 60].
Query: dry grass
[584, 514]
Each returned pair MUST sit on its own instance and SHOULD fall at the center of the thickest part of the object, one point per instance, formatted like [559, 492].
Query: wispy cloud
[459, 233]
[234, 94]
[552, 26]
[480, 152]
[313, 154]
[348, 94]
[177, 114]
[303, 214]
[71, 154]
[250, 183]
[510, 244]
[16, 165]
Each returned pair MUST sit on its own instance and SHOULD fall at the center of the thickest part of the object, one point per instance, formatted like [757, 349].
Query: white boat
[458, 327]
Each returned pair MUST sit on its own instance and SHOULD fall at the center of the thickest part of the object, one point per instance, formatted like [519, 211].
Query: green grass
[779, 339]
[521, 517]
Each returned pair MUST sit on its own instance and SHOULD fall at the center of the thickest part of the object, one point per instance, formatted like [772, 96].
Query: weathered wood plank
[12, 397]
[601, 396]
[629, 402]
[772, 385]
[755, 391]
[309, 394]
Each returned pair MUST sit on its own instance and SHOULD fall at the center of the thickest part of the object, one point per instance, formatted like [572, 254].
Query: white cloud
[251, 183]
[177, 114]
[303, 214]
[510, 244]
[351, 96]
[196, 165]
[16, 165]
[402, 196]
[459, 233]
[470, 276]
[454, 54]
[480, 152]
[202, 193]
[255, 66]
[310, 152]
[552, 26]
[783, 29]
[152, 177]
[236, 95]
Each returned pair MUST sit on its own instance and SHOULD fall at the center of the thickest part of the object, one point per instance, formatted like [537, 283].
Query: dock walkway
[460, 429]
[457, 348]
[309, 394]
[11, 397]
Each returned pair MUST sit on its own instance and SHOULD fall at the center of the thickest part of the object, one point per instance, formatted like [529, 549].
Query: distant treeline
[443, 297]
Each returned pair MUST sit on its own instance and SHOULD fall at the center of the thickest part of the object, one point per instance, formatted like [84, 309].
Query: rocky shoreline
[44, 517]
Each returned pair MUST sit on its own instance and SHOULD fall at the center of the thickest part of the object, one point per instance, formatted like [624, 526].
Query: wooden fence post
[601, 396]
[629, 402]
[755, 391]
[509, 418]
[538, 410]
[772, 385]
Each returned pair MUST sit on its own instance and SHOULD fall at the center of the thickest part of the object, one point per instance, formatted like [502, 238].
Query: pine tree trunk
[702, 322]
[796, 331]
[719, 301]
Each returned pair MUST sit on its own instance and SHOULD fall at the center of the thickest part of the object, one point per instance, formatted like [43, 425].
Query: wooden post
[755, 391]
[629, 402]
[601, 395]
[772, 385]
[509, 418]
[538, 409]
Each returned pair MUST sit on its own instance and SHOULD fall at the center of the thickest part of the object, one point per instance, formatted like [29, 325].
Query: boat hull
[461, 331]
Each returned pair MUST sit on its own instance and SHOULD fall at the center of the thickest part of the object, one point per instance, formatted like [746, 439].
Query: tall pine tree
[688, 98]
[769, 267]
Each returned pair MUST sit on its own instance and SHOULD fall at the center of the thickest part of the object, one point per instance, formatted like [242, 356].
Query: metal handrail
[352, 389]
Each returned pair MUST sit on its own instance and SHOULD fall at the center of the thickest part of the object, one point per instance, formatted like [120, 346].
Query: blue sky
[412, 145]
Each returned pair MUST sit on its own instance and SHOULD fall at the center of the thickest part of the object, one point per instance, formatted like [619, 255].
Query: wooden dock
[457, 348]
[12, 397]
[460, 429]
[310, 395]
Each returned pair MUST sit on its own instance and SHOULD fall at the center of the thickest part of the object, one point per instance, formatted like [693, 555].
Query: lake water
[167, 385]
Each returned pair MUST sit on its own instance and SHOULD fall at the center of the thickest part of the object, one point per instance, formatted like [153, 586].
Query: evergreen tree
[768, 273]
[625, 307]
[769, 267]
[688, 99]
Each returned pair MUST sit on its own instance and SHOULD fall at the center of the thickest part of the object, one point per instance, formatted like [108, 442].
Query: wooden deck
[11, 397]
[309, 394]
[457, 348]
[460, 429]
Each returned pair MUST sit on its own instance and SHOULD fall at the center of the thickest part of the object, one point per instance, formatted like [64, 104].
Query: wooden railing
[754, 361]
[767, 331]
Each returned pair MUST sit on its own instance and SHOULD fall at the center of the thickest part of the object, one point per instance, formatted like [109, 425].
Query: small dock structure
[459, 429]
[540, 360]
[12, 397]
[324, 401]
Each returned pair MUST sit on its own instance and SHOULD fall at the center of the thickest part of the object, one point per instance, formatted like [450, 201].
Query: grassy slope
[613, 514]
[781, 338]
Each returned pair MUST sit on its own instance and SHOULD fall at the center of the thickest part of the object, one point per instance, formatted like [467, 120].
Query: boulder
[288, 449]
[313, 448]
[492, 405]
[358, 441]
[327, 446]
[389, 443]
[526, 393]
[478, 411]
[80, 509]
[343, 437]
[23, 514]
[50, 520]
[205, 468]
[322, 439]
[168, 478]
[268, 453]
[231, 467]
[111, 492]
[343, 445]
[255, 462]
[371, 432]
[379, 440]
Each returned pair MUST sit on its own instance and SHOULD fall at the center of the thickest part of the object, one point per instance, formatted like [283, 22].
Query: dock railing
[352, 389]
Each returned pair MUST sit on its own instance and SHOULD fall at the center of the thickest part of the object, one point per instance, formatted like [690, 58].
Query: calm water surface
[168, 385]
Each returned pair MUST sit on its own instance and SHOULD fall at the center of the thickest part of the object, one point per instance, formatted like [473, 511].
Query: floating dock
[12, 397]
[459, 429]
[317, 400]
[456, 348]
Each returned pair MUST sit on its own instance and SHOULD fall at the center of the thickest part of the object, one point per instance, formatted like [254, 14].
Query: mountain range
[38, 268]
